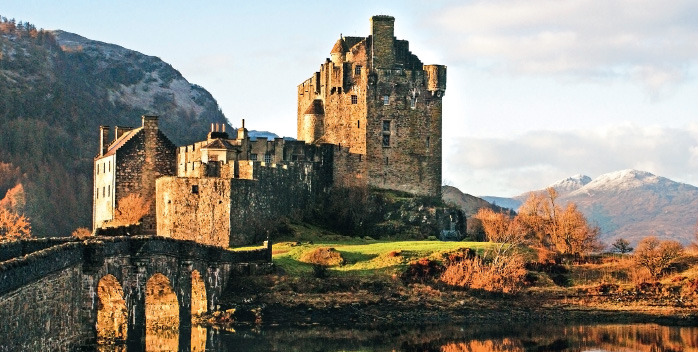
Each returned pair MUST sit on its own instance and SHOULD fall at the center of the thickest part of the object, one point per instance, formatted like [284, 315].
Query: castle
[371, 117]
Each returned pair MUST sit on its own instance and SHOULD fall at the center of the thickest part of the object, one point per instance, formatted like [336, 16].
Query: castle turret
[436, 79]
[339, 52]
[383, 34]
[313, 120]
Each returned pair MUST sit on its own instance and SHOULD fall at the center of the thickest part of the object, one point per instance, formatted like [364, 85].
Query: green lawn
[365, 258]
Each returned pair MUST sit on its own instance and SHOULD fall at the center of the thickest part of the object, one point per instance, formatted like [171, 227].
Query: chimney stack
[103, 140]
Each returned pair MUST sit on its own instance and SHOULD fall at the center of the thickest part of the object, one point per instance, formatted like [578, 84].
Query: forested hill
[56, 89]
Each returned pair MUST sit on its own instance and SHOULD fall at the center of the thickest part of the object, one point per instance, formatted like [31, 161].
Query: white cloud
[510, 166]
[653, 43]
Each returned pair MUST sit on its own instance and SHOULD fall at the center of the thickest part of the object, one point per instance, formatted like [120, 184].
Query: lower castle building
[371, 117]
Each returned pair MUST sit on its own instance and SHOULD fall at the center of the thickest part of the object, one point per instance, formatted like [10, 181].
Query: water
[444, 338]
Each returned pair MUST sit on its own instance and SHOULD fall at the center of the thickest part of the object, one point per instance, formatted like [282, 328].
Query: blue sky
[538, 90]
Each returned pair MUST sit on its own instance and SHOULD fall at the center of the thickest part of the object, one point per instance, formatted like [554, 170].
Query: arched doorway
[161, 315]
[112, 316]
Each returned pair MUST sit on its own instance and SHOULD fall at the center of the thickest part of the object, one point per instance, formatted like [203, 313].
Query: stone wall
[148, 155]
[39, 305]
[233, 212]
[404, 136]
[48, 298]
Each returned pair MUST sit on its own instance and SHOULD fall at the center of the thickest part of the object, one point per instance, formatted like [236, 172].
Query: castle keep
[371, 117]
[376, 98]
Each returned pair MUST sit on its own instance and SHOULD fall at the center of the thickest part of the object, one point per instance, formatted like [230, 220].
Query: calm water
[639, 337]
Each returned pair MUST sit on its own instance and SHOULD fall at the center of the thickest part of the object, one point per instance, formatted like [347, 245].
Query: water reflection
[480, 338]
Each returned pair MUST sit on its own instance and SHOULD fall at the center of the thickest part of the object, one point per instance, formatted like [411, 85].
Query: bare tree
[622, 246]
[656, 255]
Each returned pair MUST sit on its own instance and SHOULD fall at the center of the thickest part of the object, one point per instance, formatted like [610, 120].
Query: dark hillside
[56, 89]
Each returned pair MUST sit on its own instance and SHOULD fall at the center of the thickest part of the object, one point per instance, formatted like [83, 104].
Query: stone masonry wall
[194, 209]
[39, 305]
[147, 156]
[233, 212]
[411, 160]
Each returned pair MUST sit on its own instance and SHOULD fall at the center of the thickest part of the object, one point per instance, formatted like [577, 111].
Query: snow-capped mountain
[571, 184]
[632, 204]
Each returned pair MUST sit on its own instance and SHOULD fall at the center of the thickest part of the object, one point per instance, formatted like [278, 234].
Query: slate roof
[121, 141]
[219, 144]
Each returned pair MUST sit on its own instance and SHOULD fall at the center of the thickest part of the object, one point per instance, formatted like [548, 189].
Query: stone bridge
[65, 294]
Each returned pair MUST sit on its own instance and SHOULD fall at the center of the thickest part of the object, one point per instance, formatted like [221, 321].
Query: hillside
[56, 89]
[470, 204]
[631, 204]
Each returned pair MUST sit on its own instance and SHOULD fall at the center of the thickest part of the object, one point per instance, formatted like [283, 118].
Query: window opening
[358, 123]
[427, 142]
[195, 189]
[354, 99]
[253, 157]
[357, 70]
[386, 100]
[267, 158]
[386, 140]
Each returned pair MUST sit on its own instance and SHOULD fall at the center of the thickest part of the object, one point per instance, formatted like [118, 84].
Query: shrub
[422, 270]
[458, 255]
[326, 256]
[81, 233]
[504, 274]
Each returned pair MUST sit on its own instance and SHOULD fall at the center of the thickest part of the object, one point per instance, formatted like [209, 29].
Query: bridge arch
[161, 314]
[112, 315]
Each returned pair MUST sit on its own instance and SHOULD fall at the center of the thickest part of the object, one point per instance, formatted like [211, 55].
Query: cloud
[510, 166]
[654, 43]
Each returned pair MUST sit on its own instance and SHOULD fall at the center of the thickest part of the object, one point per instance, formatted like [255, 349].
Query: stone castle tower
[376, 98]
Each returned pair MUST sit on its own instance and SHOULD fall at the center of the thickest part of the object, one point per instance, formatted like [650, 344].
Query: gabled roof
[121, 141]
[219, 144]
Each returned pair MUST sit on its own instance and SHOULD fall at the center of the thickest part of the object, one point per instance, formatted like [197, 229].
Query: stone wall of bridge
[48, 294]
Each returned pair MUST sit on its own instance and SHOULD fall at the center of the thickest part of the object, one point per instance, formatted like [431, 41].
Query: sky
[537, 90]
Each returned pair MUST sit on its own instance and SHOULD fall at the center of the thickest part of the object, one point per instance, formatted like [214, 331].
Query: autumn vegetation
[131, 209]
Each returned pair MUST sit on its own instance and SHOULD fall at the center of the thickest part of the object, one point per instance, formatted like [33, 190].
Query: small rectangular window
[354, 99]
[267, 158]
[386, 100]
[386, 160]
[97, 192]
[386, 125]
[358, 123]
[104, 191]
[357, 70]
[413, 103]
[386, 140]
[253, 157]
[195, 189]
[97, 169]
[104, 167]
[427, 142]
[109, 165]
[108, 191]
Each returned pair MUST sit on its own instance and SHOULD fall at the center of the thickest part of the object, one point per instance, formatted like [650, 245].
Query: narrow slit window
[428, 142]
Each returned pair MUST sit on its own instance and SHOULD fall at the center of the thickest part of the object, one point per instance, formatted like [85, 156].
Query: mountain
[634, 204]
[56, 89]
[571, 184]
[469, 204]
[630, 204]
[504, 202]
